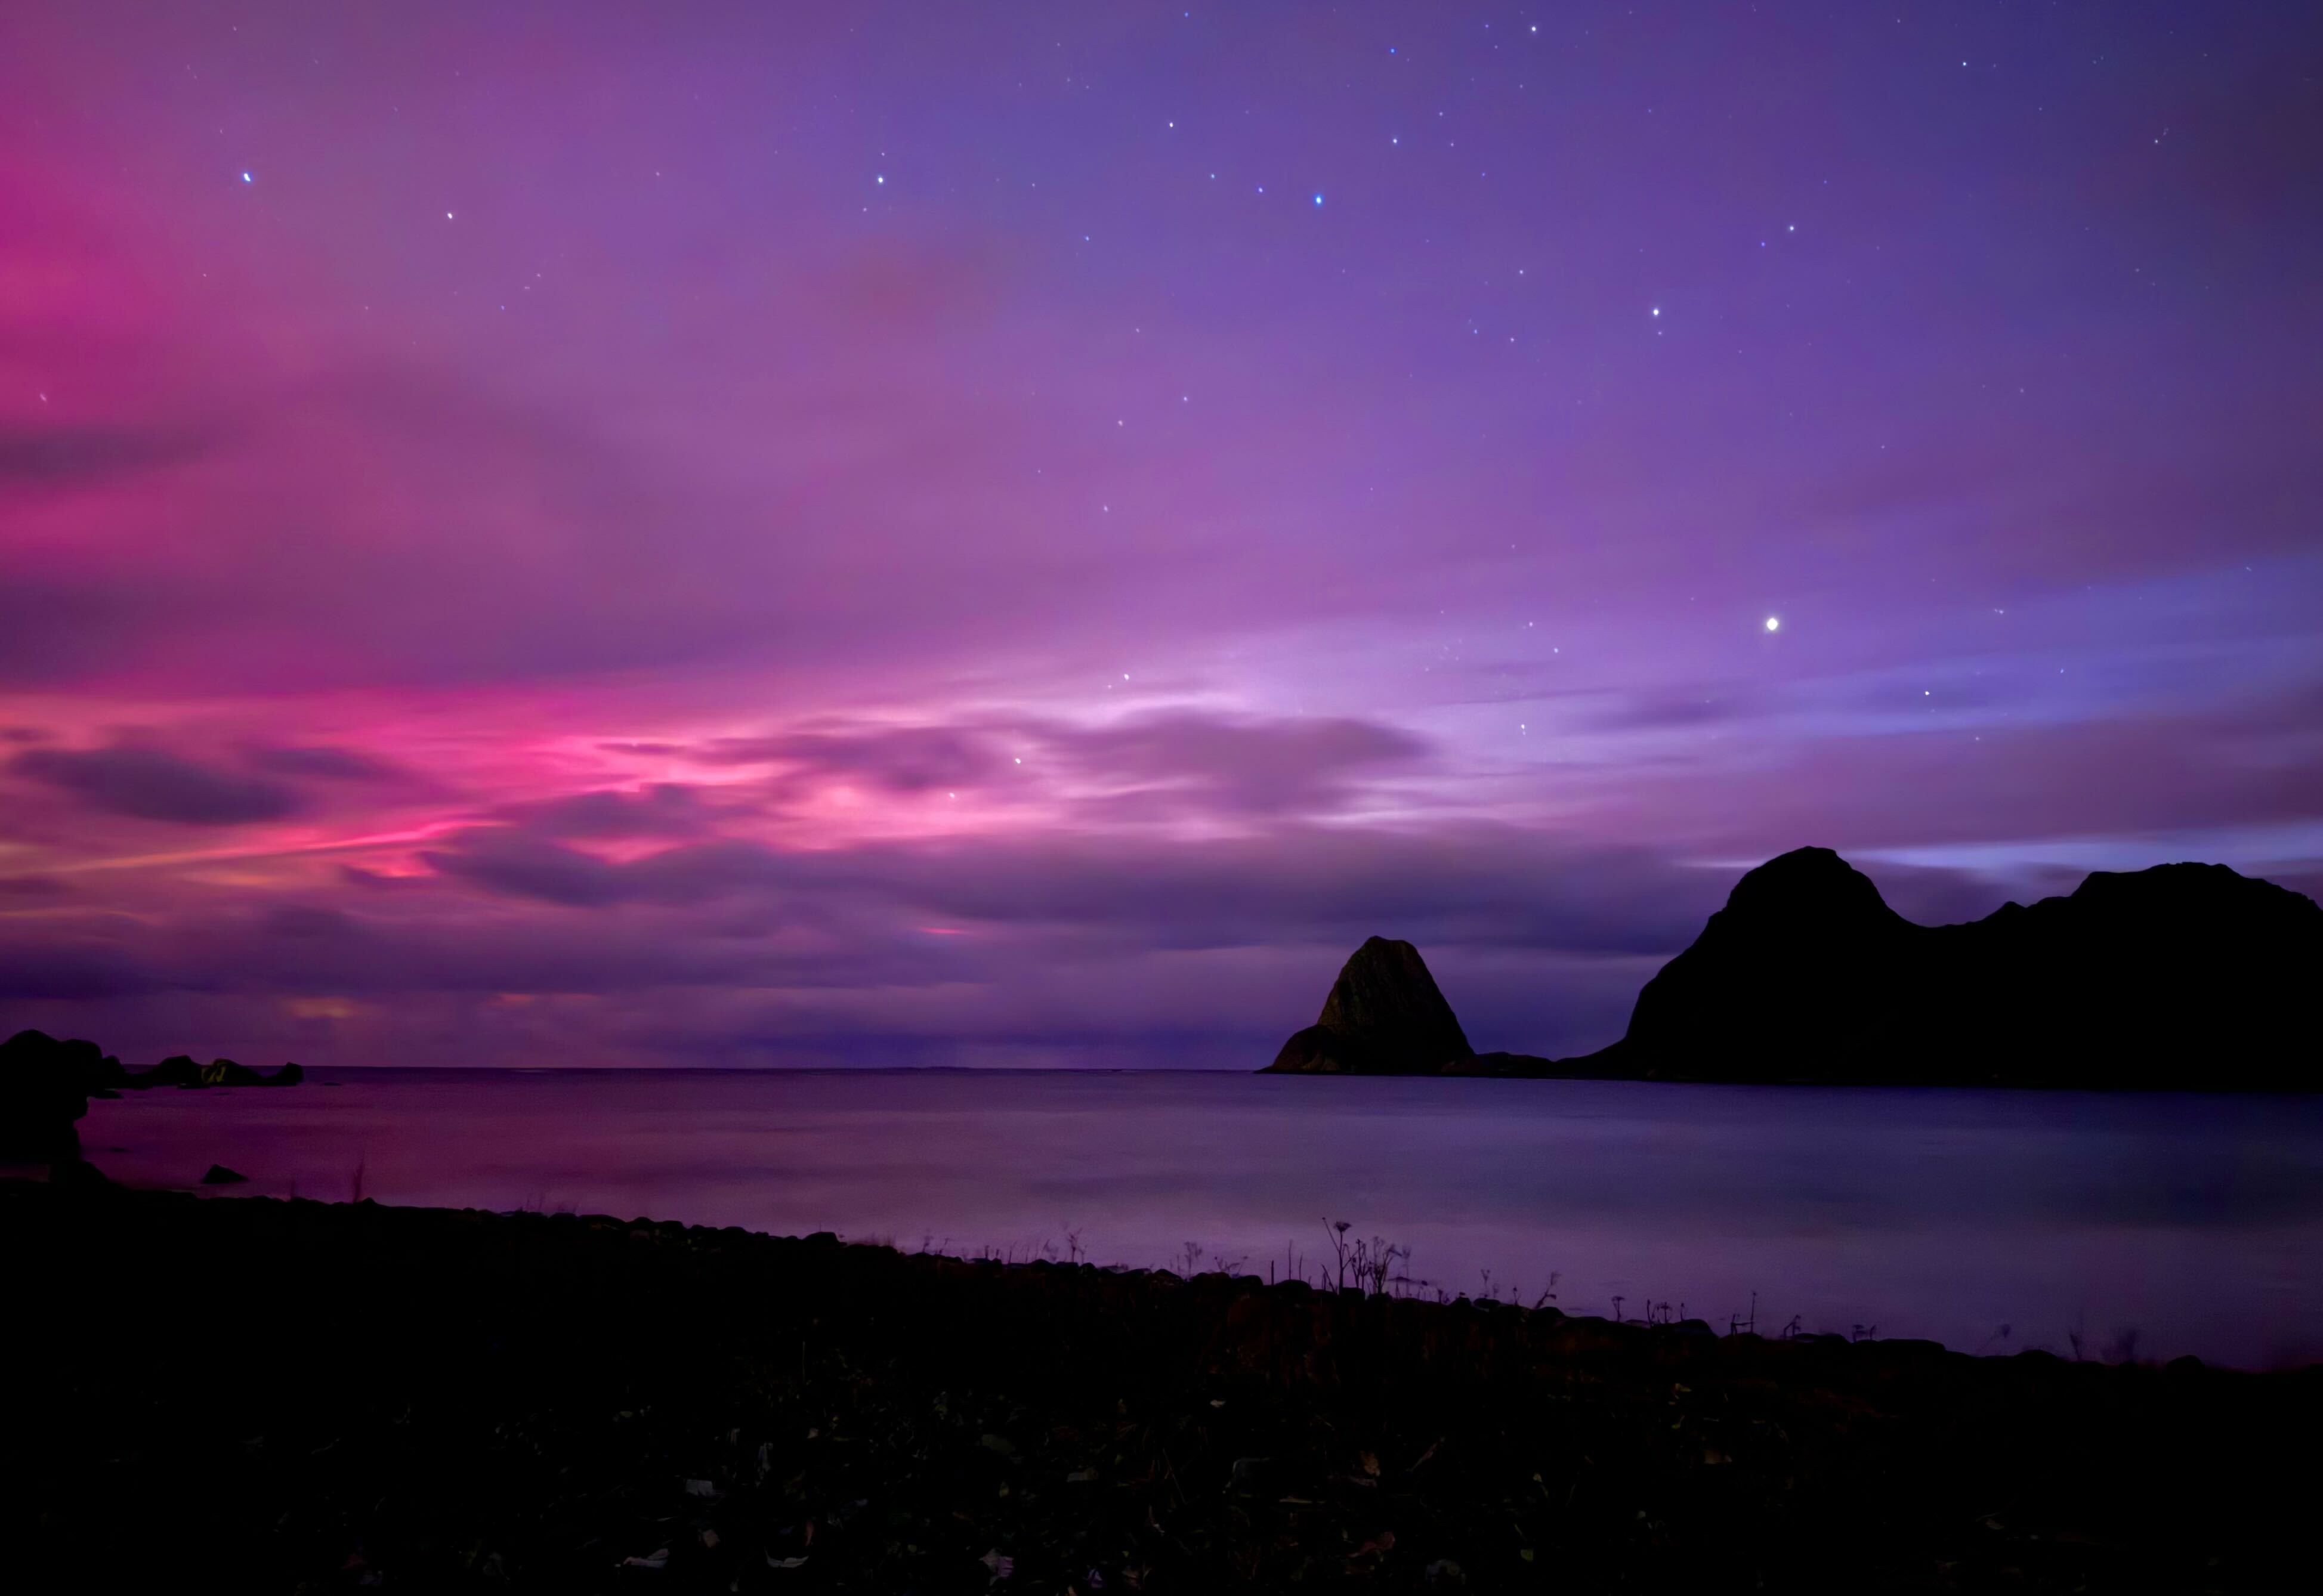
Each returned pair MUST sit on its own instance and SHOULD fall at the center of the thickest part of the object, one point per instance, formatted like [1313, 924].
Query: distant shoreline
[325, 1074]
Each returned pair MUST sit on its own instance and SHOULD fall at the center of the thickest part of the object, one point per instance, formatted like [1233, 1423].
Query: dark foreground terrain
[273, 1396]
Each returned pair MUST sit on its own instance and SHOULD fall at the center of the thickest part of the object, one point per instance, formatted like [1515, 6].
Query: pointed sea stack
[1384, 1016]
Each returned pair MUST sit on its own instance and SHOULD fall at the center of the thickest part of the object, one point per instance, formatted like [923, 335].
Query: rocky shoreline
[308, 1396]
[46, 1086]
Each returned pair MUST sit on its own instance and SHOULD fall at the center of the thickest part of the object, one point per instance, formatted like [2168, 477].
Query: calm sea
[1987, 1220]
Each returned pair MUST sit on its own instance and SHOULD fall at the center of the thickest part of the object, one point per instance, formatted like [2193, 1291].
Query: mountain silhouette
[1384, 1016]
[2187, 976]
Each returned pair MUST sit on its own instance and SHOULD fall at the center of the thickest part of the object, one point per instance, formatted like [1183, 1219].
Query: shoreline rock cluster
[46, 1085]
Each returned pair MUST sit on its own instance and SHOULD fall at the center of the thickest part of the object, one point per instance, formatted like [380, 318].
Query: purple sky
[992, 533]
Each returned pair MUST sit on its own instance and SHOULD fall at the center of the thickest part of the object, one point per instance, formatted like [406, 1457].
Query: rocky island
[2183, 976]
[1384, 1016]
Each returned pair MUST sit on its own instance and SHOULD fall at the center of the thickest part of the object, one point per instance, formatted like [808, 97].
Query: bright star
[245, 177]
[1774, 623]
[1657, 310]
[1319, 199]
[881, 178]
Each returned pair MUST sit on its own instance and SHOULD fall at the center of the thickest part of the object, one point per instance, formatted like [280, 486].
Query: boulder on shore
[78, 1175]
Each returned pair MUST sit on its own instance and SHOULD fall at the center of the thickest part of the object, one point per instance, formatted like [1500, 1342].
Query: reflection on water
[2195, 1221]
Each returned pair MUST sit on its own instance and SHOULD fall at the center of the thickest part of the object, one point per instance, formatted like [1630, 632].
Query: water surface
[2193, 1223]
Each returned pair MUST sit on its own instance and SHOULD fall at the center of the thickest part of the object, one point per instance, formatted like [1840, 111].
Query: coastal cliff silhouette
[2185, 975]
[45, 1086]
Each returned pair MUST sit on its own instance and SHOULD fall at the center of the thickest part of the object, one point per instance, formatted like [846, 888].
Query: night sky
[1018, 534]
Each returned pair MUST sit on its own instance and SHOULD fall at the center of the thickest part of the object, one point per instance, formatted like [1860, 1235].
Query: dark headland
[2186, 977]
[46, 1085]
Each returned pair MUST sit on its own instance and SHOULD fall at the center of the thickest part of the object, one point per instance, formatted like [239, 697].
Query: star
[1319, 199]
[246, 178]
[1774, 623]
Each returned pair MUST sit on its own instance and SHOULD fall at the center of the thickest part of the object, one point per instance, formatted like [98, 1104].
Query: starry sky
[986, 533]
